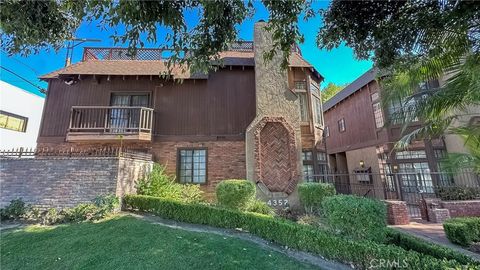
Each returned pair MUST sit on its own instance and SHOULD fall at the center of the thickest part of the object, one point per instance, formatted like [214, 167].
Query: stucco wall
[273, 99]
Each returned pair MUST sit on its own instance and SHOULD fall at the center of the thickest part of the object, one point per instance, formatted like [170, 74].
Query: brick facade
[65, 182]
[462, 208]
[397, 213]
[225, 160]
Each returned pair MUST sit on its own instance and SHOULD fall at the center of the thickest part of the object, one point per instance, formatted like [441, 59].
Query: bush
[108, 203]
[261, 207]
[159, 184]
[463, 231]
[356, 217]
[409, 242]
[457, 193]
[84, 211]
[284, 232]
[51, 216]
[15, 210]
[192, 194]
[311, 220]
[312, 194]
[235, 194]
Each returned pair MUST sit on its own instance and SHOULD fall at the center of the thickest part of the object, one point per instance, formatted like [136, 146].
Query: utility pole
[72, 43]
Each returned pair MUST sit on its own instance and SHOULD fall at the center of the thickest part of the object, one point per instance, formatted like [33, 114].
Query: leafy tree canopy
[331, 90]
[29, 26]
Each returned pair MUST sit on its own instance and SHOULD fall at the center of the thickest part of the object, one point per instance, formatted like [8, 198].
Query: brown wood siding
[222, 105]
[360, 130]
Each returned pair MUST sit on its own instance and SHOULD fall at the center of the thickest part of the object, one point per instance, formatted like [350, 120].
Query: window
[308, 172]
[300, 85]
[321, 156]
[13, 122]
[401, 110]
[327, 132]
[375, 96]
[377, 113]
[307, 156]
[314, 87]
[416, 177]
[419, 154]
[192, 166]
[341, 125]
[302, 98]
[318, 112]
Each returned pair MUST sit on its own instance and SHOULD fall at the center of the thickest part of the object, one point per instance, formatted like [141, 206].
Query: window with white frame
[377, 113]
[13, 121]
[318, 111]
[416, 154]
[302, 98]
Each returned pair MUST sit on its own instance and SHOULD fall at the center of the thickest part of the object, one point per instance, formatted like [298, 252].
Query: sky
[338, 65]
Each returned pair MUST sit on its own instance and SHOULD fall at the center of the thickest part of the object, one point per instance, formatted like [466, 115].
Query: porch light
[362, 164]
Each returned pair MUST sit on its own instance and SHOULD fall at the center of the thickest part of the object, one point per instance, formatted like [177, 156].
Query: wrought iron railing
[111, 119]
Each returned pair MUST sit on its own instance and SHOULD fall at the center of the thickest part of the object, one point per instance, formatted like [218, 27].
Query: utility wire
[43, 91]
[15, 59]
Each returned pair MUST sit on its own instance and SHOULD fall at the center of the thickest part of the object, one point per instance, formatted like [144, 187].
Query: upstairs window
[302, 98]
[416, 154]
[318, 112]
[300, 85]
[341, 125]
[375, 96]
[13, 121]
[314, 87]
[192, 166]
[321, 156]
[327, 132]
[377, 113]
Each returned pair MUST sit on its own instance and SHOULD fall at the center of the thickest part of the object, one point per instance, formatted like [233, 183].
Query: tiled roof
[158, 67]
[356, 85]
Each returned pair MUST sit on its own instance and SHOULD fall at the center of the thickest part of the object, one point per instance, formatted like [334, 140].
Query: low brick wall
[65, 182]
[462, 208]
[397, 213]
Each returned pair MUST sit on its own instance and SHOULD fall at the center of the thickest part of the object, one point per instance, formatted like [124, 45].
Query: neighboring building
[359, 141]
[20, 115]
[249, 119]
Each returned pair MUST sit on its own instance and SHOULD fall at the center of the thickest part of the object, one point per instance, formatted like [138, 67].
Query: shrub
[108, 203]
[311, 220]
[261, 207]
[312, 194]
[15, 210]
[356, 217]
[159, 184]
[458, 193]
[358, 253]
[192, 194]
[235, 194]
[84, 211]
[409, 242]
[463, 231]
[51, 216]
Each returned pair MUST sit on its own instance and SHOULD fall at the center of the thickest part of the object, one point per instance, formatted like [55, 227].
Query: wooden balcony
[110, 123]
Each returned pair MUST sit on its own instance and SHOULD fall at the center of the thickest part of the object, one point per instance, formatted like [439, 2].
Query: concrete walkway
[294, 254]
[432, 232]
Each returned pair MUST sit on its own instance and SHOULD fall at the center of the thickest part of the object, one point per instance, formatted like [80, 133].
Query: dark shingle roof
[356, 85]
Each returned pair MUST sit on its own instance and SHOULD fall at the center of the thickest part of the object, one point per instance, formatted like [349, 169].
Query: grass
[128, 243]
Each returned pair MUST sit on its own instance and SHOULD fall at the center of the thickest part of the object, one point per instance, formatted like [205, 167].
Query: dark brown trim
[177, 166]
[197, 138]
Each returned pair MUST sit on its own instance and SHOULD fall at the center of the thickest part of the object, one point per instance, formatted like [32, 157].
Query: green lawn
[128, 243]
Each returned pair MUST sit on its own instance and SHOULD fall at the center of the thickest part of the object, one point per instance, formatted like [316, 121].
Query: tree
[414, 42]
[28, 26]
[331, 90]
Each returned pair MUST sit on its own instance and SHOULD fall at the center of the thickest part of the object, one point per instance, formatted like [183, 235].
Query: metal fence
[124, 152]
[408, 187]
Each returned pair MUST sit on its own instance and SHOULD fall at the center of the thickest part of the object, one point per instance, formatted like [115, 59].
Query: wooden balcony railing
[88, 123]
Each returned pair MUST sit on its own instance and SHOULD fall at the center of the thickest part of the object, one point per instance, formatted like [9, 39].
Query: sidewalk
[432, 232]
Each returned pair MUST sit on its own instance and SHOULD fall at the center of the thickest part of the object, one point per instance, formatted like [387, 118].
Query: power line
[43, 91]
[32, 69]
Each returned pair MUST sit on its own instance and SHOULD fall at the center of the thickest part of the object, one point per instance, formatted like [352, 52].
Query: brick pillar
[397, 213]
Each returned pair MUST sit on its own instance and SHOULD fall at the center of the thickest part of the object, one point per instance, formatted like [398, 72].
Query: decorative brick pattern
[225, 160]
[65, 182]
[397, 213]
[275, 155]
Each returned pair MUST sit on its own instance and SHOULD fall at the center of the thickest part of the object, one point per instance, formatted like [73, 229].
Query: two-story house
[360, 138]
[249, 119]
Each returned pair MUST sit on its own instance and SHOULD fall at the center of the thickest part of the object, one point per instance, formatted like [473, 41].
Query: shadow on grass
[124, 242]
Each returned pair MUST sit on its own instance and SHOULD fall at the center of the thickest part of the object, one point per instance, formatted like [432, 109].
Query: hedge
[284, 232]
[409, 242]
[235, 194]
[311, 195]
[463, 231]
